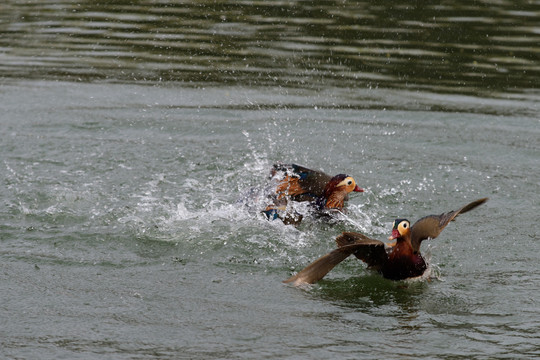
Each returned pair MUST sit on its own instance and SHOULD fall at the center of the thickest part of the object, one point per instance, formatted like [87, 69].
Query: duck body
[403, 264]
[395, 262]
[398, 261]
[296, 183]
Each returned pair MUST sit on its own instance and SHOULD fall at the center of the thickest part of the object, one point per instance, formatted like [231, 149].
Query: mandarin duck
[297, 183]
[395, 261]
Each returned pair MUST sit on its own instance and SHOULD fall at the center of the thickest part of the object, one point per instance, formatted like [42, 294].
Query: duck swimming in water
[398, 261]
[300, 184]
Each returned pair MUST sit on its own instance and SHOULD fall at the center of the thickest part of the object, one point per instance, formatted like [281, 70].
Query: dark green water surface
[133, 130]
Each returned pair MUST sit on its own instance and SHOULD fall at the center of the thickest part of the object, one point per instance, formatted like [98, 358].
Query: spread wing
[369, 250]
[432, 225]
[299, 181]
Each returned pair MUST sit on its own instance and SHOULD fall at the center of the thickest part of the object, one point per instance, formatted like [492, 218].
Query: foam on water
[221, 216]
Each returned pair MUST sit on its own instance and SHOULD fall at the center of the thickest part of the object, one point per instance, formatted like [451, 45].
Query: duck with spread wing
[398, 261]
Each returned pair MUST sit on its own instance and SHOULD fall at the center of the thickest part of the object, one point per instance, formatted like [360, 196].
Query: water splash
[361, 220]
[260, 162]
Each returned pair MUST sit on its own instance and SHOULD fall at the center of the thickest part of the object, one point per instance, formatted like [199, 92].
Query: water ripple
[477, 49]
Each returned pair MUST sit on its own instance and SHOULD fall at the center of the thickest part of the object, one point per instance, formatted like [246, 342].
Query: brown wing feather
[348, 238]
[289, 186]
[319, 268]
[299, 180]
[432, 225]
[369, 250]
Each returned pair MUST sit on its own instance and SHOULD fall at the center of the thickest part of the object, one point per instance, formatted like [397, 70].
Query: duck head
[401, 229]
[341, 182]
[337, 188]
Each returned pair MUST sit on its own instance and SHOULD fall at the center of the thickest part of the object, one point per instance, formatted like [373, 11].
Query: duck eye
[349, 182]
[404, 225]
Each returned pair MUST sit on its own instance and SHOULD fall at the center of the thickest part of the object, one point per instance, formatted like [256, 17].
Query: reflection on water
[370, 291]
[478, 48]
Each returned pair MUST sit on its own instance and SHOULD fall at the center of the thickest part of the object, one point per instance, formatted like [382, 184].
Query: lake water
[133, 130]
